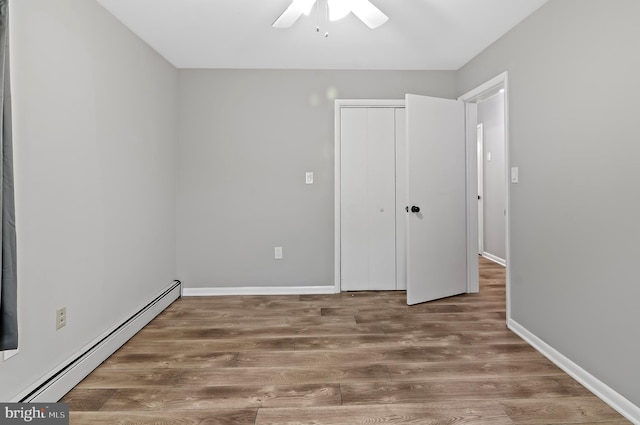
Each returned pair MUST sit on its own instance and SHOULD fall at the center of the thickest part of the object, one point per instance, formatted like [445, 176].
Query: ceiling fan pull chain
[326, 17]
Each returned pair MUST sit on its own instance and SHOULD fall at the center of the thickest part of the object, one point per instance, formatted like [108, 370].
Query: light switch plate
[515, 178]
[309, 177]
[277, 253]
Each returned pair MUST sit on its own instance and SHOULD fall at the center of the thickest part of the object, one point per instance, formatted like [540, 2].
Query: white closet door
[381, 197]
[401, 199]
[368, 256]
[354, 228]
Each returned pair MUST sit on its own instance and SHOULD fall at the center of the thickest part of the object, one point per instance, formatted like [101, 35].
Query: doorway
[476, 172]
[491, 177]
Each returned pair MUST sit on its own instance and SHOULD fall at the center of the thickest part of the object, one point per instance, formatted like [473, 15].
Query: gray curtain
[8, 282]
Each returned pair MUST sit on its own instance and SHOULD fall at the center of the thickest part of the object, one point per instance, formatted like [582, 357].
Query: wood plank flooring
[350, 358]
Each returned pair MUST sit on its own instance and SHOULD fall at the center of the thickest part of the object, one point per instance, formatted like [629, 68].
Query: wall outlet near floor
[277, 253]
[61, 318]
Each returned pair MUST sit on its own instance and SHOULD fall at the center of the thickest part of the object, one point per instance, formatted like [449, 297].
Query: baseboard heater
[53, 387]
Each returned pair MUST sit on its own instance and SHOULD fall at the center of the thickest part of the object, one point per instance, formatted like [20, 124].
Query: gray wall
[573, 103]
[246, 140]
[95, 123]
[491, 115]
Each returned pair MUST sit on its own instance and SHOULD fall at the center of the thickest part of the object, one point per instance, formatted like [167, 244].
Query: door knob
[415, 209]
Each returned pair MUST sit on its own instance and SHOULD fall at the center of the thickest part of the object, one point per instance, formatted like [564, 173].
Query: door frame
[471, 98]
[339, 104]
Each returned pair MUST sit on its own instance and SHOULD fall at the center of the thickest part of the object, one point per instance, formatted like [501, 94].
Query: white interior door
[436, 193]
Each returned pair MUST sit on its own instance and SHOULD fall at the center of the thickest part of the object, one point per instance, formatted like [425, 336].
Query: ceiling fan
[337, 9]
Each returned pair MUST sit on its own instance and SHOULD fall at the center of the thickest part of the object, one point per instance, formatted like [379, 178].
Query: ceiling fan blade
[288, 17]
[293, 12]
[368, 13]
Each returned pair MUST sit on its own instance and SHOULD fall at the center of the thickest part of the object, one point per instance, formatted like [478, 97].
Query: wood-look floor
[350, 358]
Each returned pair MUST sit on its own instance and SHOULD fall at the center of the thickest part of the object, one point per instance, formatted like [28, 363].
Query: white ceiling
[420, 34]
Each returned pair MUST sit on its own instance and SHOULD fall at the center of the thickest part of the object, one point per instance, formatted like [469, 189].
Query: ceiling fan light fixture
[368, 13]
[338, 9]
[303, 6]
[296, 9]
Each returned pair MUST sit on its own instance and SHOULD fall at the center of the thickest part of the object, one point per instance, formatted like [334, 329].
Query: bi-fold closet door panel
[368, 198]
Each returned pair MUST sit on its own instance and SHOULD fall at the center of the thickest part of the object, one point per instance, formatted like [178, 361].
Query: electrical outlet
[61, 318]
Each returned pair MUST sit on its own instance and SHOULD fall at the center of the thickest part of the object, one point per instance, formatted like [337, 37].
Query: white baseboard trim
[53, 386]
[593, 384]
[257, 290]
[494, 259]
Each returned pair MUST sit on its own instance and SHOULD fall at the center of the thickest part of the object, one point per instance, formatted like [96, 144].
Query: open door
[436, 193]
